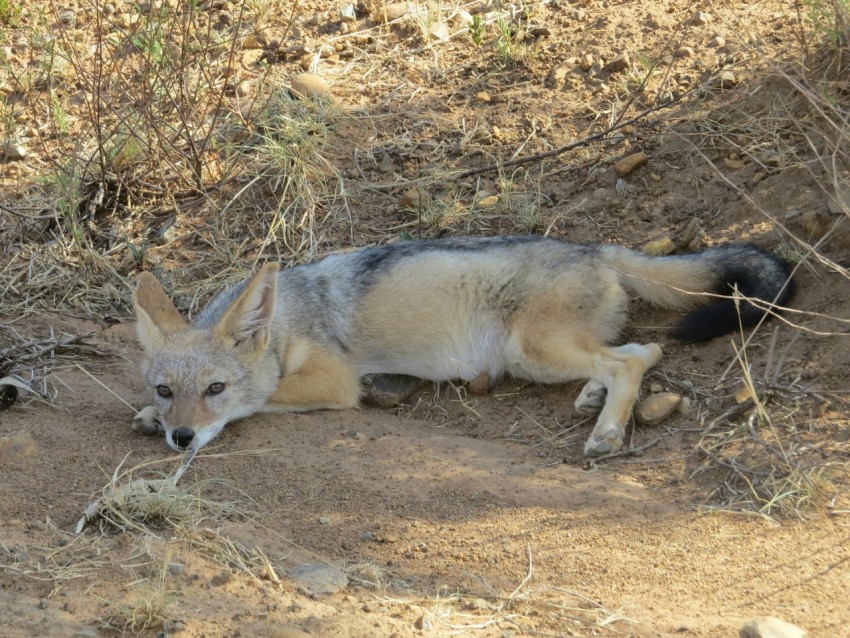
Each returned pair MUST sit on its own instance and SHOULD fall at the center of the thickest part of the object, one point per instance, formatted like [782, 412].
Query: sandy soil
[476, 515]
[445, 507]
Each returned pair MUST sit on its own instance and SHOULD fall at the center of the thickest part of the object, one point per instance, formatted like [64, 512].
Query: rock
[734, 164]
[770, 627]
[816, 223]
[483, 96]
[586, 62]
[488, 202]
[685, 52]
[655, 177]
[439, 30]
[388, 390]
[657, 407]
[324, 520]
[718, 41]
[629, 163]
[726, 79]
[244, 88]
[251, 58]
[16, 446]
[414, 199]
[770, 158]
[318, 578]
[391, 12]
[693, 235]
[386, 537]
[68, 17]
[252, 41]
[423, 623]
[620, 63]
[840, 203]
[386, 164]
[348, 14]
[701, 18]
[558, 75]
[480, 384]
[659, 247]
[464, 18]
[12, 151]
[309, 85]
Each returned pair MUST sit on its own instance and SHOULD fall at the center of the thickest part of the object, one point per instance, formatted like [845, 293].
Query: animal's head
[204, 377]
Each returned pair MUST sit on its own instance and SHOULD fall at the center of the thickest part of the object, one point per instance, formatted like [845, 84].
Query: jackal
[530, 307]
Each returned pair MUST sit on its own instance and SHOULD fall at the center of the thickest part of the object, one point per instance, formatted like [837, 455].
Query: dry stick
[572, 145]
[44, 347]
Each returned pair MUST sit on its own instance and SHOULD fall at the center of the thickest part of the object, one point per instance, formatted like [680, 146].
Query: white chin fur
[207, 434]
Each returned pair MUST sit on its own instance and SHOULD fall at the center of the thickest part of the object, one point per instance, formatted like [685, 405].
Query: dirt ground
[458, 514]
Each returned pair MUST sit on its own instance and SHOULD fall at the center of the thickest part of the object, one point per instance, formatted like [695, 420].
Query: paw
[604, 442]
[591, 399]
[653, 354]
[147, 421]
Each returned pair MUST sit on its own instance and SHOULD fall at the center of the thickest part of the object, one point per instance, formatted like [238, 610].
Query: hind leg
[591, 399]
[556, 356]
[625, 367]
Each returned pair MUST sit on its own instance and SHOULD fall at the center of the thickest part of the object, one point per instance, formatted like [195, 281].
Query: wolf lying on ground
[533, 308]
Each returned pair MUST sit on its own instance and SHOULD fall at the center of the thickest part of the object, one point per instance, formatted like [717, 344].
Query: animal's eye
[215, 388]
[164, 391]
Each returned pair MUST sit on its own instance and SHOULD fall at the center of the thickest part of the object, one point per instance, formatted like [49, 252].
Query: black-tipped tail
[755, 273]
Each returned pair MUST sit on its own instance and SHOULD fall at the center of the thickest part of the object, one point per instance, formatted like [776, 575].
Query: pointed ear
[248, 318]
[156, 316]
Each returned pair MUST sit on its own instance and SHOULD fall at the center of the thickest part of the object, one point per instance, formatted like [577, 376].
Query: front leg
[323, 381]
[147, 421]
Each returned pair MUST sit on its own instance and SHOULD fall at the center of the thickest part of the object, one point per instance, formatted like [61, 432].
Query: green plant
[476, 30]
[830, 20]
[68, 182]
[60, 116]
[505, 41]
[10, 12]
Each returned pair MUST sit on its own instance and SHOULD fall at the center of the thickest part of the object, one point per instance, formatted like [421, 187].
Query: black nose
[182, 437]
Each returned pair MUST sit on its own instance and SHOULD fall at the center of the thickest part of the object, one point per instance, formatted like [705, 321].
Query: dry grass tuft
[773, 455]
[773, 449]
[133, 503]
[149, 603]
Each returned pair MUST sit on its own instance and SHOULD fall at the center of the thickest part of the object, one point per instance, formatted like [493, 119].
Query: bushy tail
[673, 281]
